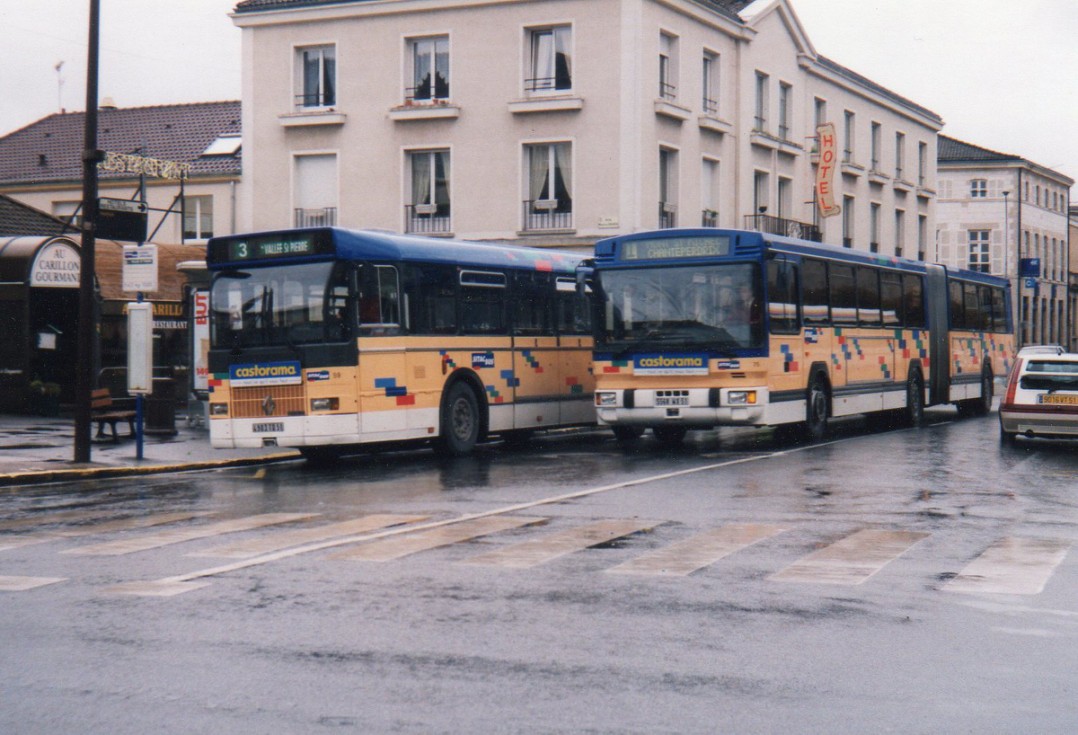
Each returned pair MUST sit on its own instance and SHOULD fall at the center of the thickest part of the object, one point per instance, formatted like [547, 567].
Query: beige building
[996, 209]
[557, 122]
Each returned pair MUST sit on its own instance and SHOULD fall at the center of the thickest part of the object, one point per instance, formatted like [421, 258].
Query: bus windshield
[715, 308]
[279, 306]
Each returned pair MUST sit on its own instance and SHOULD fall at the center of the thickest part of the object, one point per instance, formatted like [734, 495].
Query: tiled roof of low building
[50, 150]
[17, 219]
[954, 150]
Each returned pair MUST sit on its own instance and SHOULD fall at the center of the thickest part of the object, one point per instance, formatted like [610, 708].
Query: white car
[1041, 350]
[1041, 399]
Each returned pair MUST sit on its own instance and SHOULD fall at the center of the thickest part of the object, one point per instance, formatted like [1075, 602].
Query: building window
[847, 136]
[785, 198]
[551, 64]
[978, 188]
[922, 164]
[429, 209]
[874, 228]
[820, 111]
[709, 193]
[316, 68]
[668, 176]
[876, 143]
[667, 66]
[900, 231]
[847, 221]
[978, 251]
[549, 168]
[761, 189]
[900, 156]
[710, 102]
[922, 237]
[315, 203]
[785, 101]
[197, 217]
[762, 102]
[430, 69]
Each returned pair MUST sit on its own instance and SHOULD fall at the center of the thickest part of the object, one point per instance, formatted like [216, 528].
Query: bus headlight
[325, 404]
[606, 398]
[741, 398]
[218, 409]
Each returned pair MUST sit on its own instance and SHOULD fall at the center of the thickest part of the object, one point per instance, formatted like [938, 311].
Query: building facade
[558, 122]
[187, 159]
[997, 211]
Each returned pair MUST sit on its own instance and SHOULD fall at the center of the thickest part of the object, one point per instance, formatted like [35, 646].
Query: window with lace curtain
[549, 170]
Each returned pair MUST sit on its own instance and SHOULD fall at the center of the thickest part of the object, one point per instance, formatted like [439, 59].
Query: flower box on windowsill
[426, 208]
[545, 205]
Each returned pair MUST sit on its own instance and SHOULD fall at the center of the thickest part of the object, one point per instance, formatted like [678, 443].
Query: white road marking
[703, 549]
[121, 524]
[179, 535]
[1012, 566]
[21, 584]
[553, 500]
[400, 546]
[851, 560]
[298, 537]
[546, 548]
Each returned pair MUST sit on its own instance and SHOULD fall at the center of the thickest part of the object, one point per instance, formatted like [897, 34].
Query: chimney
[107, 103]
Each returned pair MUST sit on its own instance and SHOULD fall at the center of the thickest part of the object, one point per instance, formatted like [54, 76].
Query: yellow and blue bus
[698, 328]
[322, 338]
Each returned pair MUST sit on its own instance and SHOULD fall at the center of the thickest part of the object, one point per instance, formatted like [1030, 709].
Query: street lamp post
[1007, 244]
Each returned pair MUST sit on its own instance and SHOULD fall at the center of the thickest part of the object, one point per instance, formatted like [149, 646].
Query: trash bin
[161, 408]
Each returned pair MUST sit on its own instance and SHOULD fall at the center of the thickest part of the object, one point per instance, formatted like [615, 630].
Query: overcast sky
[1002, 74]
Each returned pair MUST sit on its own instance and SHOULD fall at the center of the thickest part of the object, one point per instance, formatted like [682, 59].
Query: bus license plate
[1060, 400]
[275, 427]
[671, 400]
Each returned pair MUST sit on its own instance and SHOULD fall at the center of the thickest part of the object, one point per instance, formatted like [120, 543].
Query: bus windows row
[977, 307]
[821, 293]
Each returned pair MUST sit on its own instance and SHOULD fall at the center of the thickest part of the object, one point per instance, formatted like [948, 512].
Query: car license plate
[275, 426]
[672, 401]
[1057, 399]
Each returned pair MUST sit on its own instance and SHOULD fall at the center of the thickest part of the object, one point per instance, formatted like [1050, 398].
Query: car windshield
[1051, 375]
[279, 305]
[713, 308]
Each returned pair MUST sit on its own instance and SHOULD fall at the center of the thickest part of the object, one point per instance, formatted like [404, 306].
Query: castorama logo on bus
[265, 373]
[670, 365]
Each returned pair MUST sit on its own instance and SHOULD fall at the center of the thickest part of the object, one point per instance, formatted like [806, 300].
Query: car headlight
[741, 398]
[606, 398]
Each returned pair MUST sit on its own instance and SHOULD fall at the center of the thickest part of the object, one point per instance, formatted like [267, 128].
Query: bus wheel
[460, 422]
[817, 410]
[627, 434]
[914, 414]
[670, 434]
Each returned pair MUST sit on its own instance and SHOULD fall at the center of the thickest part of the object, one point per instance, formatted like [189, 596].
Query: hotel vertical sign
[825, 170]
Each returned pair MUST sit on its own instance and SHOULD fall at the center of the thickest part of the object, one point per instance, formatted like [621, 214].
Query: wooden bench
[103, 413]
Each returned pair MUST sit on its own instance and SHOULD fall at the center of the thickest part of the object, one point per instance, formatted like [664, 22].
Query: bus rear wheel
[818, 410]
[460, 422]
[982, 405]
[914, 415]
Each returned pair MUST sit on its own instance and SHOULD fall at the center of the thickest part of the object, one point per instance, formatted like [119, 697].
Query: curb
[40, 477]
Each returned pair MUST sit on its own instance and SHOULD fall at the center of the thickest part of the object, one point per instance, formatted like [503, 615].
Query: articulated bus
[698, 328]
[323, 338]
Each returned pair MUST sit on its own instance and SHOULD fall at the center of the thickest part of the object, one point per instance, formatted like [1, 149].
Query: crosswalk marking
[298, 537]
[21, 584]
[851, 560]
[179, 535]
[120, 524]
[699, 551]
[397, 547]
[1013, 565]
[541, 550]
[44, 518]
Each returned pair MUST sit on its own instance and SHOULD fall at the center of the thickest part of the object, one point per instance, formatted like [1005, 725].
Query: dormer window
[224, 145]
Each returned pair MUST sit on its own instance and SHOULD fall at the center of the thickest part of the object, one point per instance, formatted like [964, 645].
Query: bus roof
[751, 243]
[324, 243]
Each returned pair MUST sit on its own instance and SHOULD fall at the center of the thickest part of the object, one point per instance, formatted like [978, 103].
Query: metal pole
[87, 333]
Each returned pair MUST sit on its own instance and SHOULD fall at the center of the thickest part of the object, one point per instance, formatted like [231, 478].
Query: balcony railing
[546, 214]
[782, 226]
[667, 215]
[325, 217]
[427, 219]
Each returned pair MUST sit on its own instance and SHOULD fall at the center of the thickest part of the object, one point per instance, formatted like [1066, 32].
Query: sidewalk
[35, 450]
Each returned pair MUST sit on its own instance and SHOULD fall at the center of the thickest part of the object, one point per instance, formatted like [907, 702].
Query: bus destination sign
[669, 248]
[268, 246]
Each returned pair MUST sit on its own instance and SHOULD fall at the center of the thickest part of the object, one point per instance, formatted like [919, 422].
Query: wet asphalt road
[839, 587]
